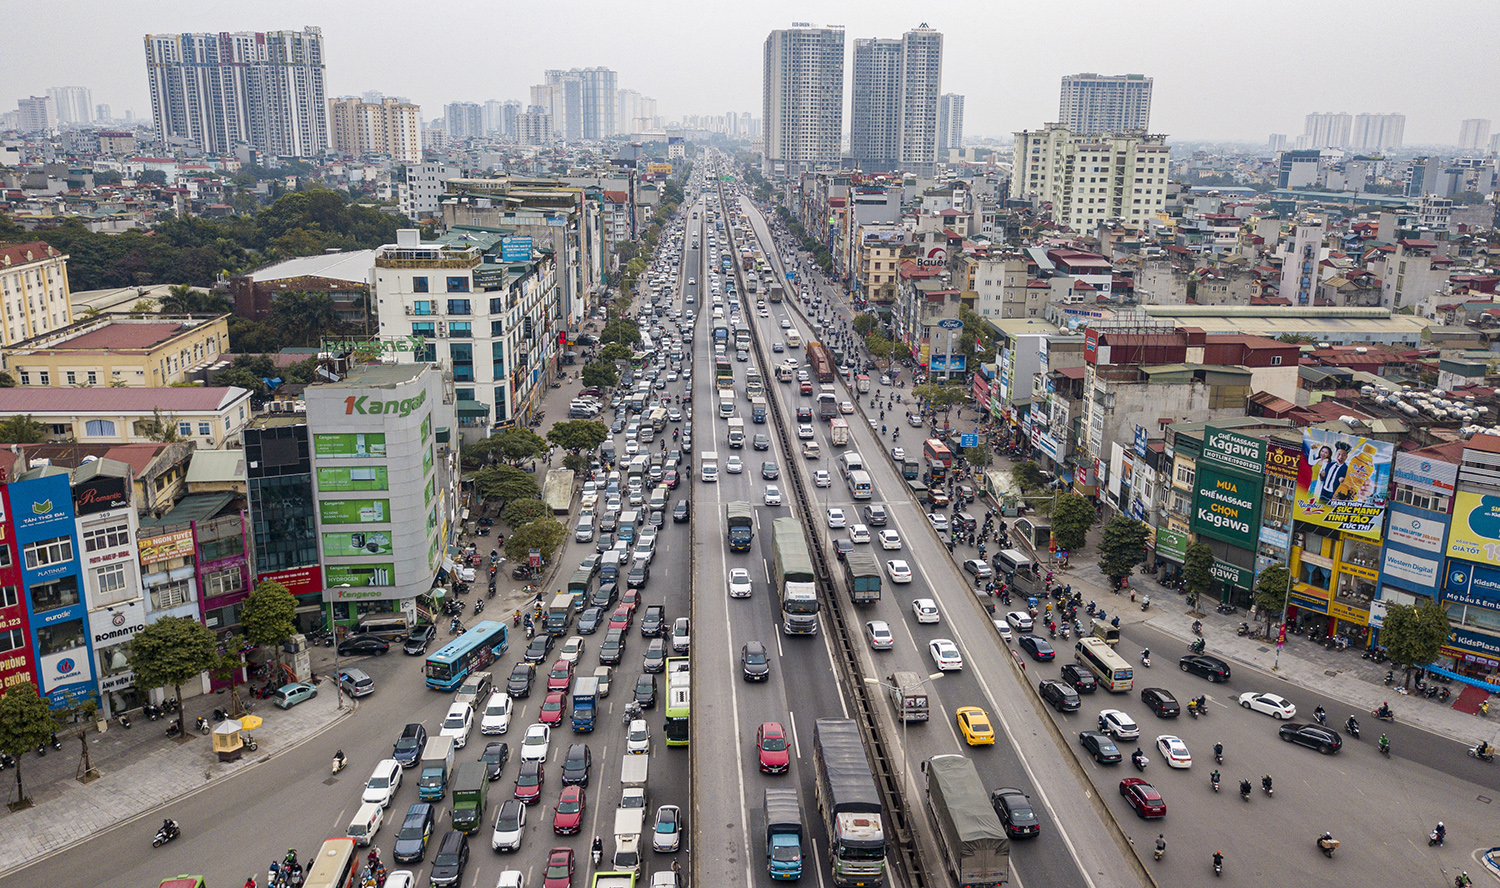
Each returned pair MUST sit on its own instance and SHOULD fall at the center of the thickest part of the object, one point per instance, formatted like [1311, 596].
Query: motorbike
[167, 833]
[1390, 676]
[1386, 716]
[1225, 608]
[1197, 628]
[1327, 844]
[1320, 716]
[250, 743]
[339, 762]
[1146, 661]
[203, 726]
[151, 711]
[1198, 646]
[1145, 603]
[1435, 838]
[1140, 761]
[1351, 727]
[1385, 748]
[174, 728]
[1243, 630]
[1215, 781]
[1265, 785]
[1245, 790]
[1218, 865]
[1160, 850]
[1487, 756]
[124, 720]
[1192, 708]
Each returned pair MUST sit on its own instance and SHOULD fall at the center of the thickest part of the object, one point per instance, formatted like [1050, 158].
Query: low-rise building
[207, 417]
[34, 286]
[121, 350]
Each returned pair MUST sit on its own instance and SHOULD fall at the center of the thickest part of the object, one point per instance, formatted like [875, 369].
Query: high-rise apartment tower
[1101, 103]
[802, 99]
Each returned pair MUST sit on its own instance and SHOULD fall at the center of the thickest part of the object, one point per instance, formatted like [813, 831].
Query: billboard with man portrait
[1344, 482]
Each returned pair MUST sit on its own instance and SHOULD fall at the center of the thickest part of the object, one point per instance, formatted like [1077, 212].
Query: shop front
[1472, 595]
[1170, 553]
[113, 629]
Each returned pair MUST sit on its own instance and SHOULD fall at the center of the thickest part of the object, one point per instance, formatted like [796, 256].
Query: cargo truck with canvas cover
[795, 583]
[973, 842]
[849, 803]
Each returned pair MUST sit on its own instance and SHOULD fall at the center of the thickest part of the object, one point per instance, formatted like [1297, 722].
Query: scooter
[167, 833]
[1145, 661]
[1386, 717]
[339, 762]
[1140, 762]
[124, 720]
[203, 726]
[1198, 646]
[1488, 756]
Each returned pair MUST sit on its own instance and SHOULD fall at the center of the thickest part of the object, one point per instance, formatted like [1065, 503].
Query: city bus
[336, 866]
[1114, 674]
[938, 457]
[679, 681]
[184, 882]
[470, 652]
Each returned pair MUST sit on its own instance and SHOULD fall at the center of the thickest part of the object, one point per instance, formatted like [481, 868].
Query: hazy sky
[1222, 70]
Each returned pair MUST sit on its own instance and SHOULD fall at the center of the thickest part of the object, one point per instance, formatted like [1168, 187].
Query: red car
[670, 479]
[1143, 797]
[631, 598]
[560, 677]
[620, 619]
[568, 816]
[770, 744]
[529, 782]
[552, 709]
[806, 388]
[559, 869]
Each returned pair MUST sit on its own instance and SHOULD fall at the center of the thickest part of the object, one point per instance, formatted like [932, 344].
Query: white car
[632, 448]
[890, 540]
[945, 655]
[836, 518]
[899, 570]
[898, 453]
[536, 743]
[739, 583]
[496, 717]
[1271, 704]
[1003, 628]
[786, 324]
[804, 431]
[821, 478]
[845, 407]
[879, 634]
[457, 723]
[773, 495]
[637, 738]
[511, 879]
[939, 521]
[1118, 725]
[572, 649]
[383, 783]
[1173, 751]
[1019, 621]
[859, 534]
[733, 465]
[926, 610]
[510, 826]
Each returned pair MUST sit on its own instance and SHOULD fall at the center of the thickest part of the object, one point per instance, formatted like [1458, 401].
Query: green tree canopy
[863, 324]
[22, 429]
[25, 723]
[1071, 519]
[1271, 591]
[520, 512]
[172, 651]
[543, 533]
[1197, 569]
[1412, 634]
[576, 462]
[600, 374]
[506, 484]
[622, 330]
[1121, 548]
[268, 615]
[578, 435]
[1028, 476]
[480, 453]
[977, 456]
[615, 351]
[520, 444]
[942, 397]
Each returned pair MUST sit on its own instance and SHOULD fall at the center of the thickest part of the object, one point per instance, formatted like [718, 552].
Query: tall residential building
[950, 124]
[634, 113]
[1299, 270]
[534, 127]
[802, 99]
[1276, 143]
[581, 101]
[34, 280]
[1328, 129]
[893, 114]
[1377, 132]
[1105, 103]
[1474, 135]
[387, 126]
[424, 187]
[1088, 179]
[500, 118]
[75, 104]
[38, 114]
[463, 120]
[262, 89]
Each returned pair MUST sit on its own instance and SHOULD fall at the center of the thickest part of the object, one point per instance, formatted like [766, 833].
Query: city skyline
[1005, 94]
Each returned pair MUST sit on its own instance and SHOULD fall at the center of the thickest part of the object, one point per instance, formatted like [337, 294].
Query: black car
[605, 542]
[1037, 647]
[495, 754]
[1062, 697]
[804, 414]
[645, 691]
[363, 644]
[653, 621]
[409, 744]
[1161, 702]
[1081, 679]
[640, 573]
[655, 659]
[761, 442]
[415, 833]
[1100, 746]
[450, 860]
[589, 620]
[769, 471]
[754, 662]
[613, 647]
[1013, 807]
[1206, 665]
[521, 677]
[876, 516]
[604, 596]
[1324, 740]
[681, 512]
[419, 638]
[575, 768]
[540, 647]
[842, 547]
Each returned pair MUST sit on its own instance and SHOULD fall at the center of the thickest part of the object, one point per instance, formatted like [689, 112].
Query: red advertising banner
[297, 580]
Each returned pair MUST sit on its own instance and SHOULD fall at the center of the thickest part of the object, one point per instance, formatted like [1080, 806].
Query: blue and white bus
[470, 652]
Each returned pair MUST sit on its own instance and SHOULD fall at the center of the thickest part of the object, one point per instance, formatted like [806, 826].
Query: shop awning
[473, 408]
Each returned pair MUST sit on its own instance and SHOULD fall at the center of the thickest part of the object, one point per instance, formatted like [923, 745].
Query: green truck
[862, 575]
[469, 789]
[974, 845]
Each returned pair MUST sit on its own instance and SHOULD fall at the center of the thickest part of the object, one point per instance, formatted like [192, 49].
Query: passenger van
[1008, 562]
[366, 822]
[387, 627]
[860, 486]
[850, 462]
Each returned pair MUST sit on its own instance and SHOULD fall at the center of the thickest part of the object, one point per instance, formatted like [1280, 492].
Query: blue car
[1037, 647]
[290, 695]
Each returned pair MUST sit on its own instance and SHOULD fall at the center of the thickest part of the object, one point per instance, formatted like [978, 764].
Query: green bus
[679, 689]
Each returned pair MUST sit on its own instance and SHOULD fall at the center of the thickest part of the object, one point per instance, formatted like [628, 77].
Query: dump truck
[973, 842]
[434, 768]
[741, 526]
[784, 832]
[849, 803]
[469, 789]
[862, 575]
[821, 361]
[585, 703]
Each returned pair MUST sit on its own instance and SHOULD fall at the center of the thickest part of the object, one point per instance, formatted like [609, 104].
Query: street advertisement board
[360, 574]
[166, 546]
[1283, 461]
[361, 445]
[1343, 482]
[1226, 506]
[1171, 544]
[1425, 473]
[337, 480]
[1234, 452]
[356, 511]
[376, 542]
[516, 248]
[1474, 531]
[297, 580]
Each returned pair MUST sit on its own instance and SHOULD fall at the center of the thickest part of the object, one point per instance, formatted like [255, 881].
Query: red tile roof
[20, 254]
[42, 400]
[122, 336]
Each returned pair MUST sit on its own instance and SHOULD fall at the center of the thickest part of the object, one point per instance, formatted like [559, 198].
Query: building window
[424, 329]
[171, 595]
[44, 378]
[93, 378]
[113, 537]
[99, 428]
[497, 328]
[54, 595]
[185, 429]
[223, 582]
[458, 285]
[10, 596]
[110, 581]
[1276, 360]
[422, 307]
[72, 378]
[497, 305]
[205, 429]
[45, 552]
[25, 378]
[460, 329]
[458, 306]
[419, 284]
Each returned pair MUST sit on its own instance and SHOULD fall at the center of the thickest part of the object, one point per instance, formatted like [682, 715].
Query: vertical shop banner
[1474, 531]
[1343, 482]
[1226, 506]
[1171, 544]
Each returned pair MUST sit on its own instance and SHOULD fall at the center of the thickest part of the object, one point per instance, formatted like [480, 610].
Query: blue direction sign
[968, 439]
[951, 324]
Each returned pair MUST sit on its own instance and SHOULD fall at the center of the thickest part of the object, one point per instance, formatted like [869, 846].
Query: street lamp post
[338, 688]
[905, 764]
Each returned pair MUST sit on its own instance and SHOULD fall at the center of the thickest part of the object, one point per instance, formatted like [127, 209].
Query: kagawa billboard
[1344, 481]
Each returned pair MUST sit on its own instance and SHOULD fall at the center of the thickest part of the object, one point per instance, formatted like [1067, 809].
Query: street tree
[268, 616]
[543, 533]
[521, 512]
[880, 348]
[977, 456]
[942, 397]
[520, 444]
[576, 462]
[227, 668]
[578, 435]
[25, 723]
[1197, 570]
[863, 324]
[1412, 634]
[172, 651]
[615, 351]
[1028, 475]
[600, 374]
[22, 429]
[1121, 548]
[1271, 590]
[480, 453]
[506, 484]
[1072, 517]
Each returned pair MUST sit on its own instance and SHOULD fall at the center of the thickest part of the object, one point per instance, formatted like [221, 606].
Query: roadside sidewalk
[141, 769]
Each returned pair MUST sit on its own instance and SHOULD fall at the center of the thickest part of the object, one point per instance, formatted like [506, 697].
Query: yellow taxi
[975, 726]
